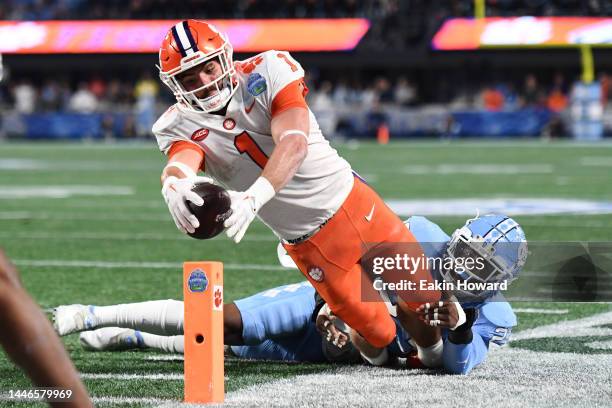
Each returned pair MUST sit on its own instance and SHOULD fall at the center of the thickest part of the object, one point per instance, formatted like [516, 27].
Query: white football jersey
[236, 147]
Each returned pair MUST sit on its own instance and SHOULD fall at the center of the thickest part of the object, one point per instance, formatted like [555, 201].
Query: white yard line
[596, 161]
[588, 326]
[473, 169]
[62, 191]
[541, 311]
[114, 376]
[166, 357]
[30, 215]
[64, 263]
[131, 400]
[119, 236]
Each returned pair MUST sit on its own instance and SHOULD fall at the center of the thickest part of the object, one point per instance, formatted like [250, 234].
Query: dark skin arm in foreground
[232, 325]
[30, 341]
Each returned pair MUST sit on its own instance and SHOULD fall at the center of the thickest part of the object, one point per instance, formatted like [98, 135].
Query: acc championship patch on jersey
[256, 84]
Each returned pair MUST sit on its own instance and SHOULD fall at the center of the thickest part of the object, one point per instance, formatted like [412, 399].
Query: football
[213, 213]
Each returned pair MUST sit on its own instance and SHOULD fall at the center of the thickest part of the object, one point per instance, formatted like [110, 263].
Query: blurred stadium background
[83, 81]
[397, 86]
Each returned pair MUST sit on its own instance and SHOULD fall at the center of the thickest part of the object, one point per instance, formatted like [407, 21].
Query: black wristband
[460, 337]
[463, 334]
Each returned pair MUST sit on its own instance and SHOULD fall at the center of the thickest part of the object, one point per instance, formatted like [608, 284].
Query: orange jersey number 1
[288, 61]
[245, 144]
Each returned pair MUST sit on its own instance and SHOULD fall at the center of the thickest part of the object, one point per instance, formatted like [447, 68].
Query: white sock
[168, 344]
[378, 360]
[431, 356]
[163, 317]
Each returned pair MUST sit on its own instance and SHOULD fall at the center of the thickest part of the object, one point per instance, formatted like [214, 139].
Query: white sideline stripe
[127, 377]
[131, 265]
[111, 376]
[587, 326]
[164, 357]
[130, 400]
[541, 311]
[500, 205]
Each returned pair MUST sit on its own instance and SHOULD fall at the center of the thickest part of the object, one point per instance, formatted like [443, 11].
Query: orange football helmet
[191, 43]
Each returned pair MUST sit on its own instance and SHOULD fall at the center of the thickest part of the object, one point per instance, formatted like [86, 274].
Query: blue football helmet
[497, 242]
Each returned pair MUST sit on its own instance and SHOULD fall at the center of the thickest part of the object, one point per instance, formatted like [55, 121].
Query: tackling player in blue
[489, 319]
[285, 323]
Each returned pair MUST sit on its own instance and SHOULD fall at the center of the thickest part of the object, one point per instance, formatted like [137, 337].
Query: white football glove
[245, 206]
[176, 193]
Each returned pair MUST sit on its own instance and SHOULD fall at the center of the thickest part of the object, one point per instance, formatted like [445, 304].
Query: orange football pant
[330, 260]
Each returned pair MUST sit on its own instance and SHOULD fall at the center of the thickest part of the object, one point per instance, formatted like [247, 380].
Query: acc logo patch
[256, 84]
[199, 135]
[316, 273]
[197, 282]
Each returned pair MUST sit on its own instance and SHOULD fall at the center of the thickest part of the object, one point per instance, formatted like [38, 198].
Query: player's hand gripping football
[245, 206]
[176, 192]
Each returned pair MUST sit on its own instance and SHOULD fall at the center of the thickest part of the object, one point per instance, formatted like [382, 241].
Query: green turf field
[111, 240]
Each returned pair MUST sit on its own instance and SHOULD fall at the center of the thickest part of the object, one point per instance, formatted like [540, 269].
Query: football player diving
[247, 125]
[287, 323]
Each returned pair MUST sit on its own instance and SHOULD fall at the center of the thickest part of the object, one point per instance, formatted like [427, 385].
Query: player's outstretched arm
[29, 340]
[178, 178]
[290, 133]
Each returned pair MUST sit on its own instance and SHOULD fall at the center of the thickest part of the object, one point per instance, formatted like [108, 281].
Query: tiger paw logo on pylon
[198, 282]
[218, 297]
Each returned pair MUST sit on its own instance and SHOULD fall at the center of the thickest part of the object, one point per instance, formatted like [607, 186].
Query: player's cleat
[73, 318]
[111, 339]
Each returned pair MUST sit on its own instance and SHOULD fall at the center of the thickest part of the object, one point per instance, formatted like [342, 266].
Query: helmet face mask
[499, 255]
[173, 63]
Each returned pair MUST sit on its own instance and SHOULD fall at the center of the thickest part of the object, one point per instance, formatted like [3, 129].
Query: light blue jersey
[495, 317]
[277, 325]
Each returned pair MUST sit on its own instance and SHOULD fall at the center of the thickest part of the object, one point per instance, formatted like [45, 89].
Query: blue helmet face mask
[497, 250]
